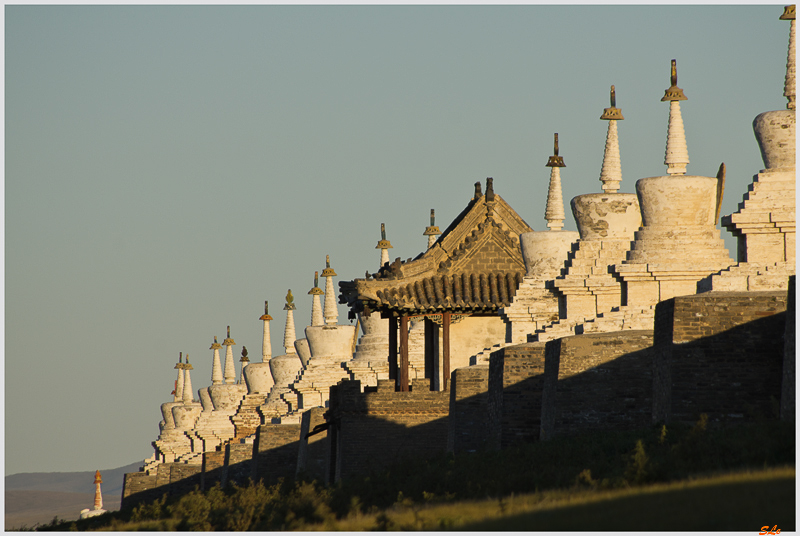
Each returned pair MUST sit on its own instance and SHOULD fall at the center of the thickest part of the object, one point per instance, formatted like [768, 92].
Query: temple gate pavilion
[458, 284]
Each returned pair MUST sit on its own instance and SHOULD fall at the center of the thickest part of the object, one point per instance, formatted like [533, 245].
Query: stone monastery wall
[719, 354]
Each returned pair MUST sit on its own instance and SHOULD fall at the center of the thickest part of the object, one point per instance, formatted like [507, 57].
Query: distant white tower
[331, 310]
[316, 306]
[230, 367]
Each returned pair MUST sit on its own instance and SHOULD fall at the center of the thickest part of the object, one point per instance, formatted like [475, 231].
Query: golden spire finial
[328, 271]
[290, 306]
[613, 112]
[432, 230]
[555, 160]
[383, 243]
[673, 92]
[265, 316]
[315, 289]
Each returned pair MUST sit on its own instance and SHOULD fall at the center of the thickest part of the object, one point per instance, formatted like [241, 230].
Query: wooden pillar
[432, 352]
[404, 353]
[445, 349]
[393, 349]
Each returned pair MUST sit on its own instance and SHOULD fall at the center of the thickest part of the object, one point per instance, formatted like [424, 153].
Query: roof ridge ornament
[489, 189]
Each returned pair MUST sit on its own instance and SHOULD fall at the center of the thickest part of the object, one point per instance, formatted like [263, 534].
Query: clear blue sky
[170, 168]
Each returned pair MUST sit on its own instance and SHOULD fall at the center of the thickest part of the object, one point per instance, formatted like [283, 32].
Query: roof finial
[216, 366]
[477, 190]
[555, 160]
[316, 307]
[489, 189]
[673, 92]
[289, 302]
[288, 333]
[384, 245]
[266, 344]
[229, 372]
[330, 311]
[612, 113]
[676, 156]
[554, 211]
[611, 172]
[432, 230]
[791, 69]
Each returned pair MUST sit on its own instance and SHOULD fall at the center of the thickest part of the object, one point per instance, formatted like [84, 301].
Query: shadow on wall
[732, 376]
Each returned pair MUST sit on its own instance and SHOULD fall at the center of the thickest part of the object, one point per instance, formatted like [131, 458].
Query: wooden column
[404, 353]
[432, 352]
[445, 349]
[393, 349]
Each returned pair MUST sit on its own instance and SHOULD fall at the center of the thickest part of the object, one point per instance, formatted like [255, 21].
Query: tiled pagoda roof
[474, 267]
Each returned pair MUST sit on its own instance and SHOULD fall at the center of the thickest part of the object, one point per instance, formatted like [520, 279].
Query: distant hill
[33, 498]
[78, 482]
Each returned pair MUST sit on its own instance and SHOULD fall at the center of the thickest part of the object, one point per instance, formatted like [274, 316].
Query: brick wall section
[213, 465]
[375, 429]
[138, 488]
[184, 478]
[788, 382]
[238, 463]
[516, 376]
[163, 473]
[719, 353]
[311, 456]
[494, 402]
[275, 452]
[469, 410]
[597, 381]
[662, 377]
[169, 478]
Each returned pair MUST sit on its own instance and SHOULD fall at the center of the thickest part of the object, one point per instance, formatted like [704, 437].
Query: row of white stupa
[631, 251]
